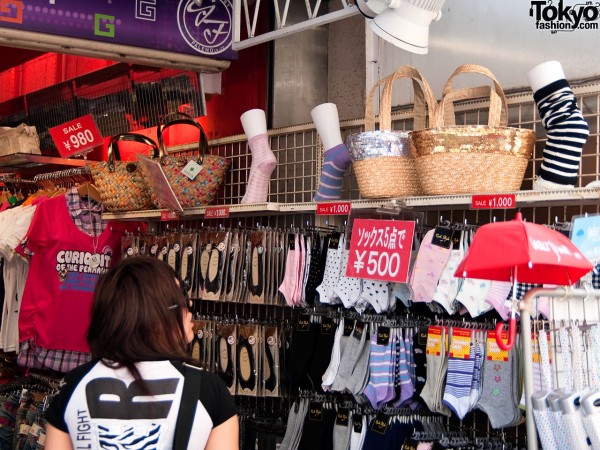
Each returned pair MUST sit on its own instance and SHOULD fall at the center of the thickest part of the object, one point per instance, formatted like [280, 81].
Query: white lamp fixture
[405, 23]
[370, 8]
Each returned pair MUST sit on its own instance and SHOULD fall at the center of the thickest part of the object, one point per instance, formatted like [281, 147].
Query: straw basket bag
[122, 184]
[469, 159]
[383, 159]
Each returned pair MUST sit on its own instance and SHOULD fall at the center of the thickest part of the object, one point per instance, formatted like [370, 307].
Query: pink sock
[263, 164]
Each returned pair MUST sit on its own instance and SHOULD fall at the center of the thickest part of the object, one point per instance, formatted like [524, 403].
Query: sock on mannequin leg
[263, 164]
[567, 130]
[336, 158]
[336, 161]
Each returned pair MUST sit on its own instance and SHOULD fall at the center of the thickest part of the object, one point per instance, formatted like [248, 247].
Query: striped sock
[458, 381]
[263, 164]
[479, 347]
[379, 366]
[406, 385]
[567, 132]
[335, 162]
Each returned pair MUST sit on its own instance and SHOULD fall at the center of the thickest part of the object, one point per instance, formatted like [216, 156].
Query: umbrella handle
[512, 332]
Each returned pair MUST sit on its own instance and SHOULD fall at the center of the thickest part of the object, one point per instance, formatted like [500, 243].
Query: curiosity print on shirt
[77, 270]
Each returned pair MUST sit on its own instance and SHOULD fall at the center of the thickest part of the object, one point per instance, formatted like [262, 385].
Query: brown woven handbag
[202, 189]
[122, 184]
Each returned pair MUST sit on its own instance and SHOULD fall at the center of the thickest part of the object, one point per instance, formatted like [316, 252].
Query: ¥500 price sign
[380, 249]
[77, 136]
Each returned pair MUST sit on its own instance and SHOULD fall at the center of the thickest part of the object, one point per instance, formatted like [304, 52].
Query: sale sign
[77, 136]
[380, 249]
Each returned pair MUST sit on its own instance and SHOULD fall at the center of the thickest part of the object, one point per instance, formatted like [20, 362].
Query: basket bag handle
[422, 94]
[170, 120]
[113, 148]
[498, 115]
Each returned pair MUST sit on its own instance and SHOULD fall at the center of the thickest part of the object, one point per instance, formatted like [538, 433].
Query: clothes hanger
[89, 190]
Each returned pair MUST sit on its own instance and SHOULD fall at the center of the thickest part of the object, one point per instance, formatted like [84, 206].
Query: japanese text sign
[76, 136]
[380, 249]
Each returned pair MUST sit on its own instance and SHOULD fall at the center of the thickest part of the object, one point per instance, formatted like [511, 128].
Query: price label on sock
[494, 353]
[380, 249]
[460, 344]
[434, 340]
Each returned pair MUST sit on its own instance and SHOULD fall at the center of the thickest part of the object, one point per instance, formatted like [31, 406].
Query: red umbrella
[523, 251]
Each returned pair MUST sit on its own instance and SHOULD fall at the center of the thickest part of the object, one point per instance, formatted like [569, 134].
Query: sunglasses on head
[189, 303]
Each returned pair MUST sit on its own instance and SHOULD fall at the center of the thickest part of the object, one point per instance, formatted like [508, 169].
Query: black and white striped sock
[567, 132]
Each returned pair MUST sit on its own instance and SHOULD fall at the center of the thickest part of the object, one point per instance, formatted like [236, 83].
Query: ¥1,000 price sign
[77, 136]
[380, 249]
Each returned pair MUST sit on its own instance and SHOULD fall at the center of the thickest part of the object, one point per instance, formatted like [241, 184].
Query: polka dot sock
[348, 289]
[335, 162]
[332, 272]
[263, 164]
[376, 293]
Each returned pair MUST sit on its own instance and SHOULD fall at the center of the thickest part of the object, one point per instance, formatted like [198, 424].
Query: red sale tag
[493, 201]
[380, 249]
[219, 212]
[169, 215]
[333, 209]
[77, 136]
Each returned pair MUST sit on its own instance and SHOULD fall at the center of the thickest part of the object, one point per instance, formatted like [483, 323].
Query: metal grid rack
[299, 154]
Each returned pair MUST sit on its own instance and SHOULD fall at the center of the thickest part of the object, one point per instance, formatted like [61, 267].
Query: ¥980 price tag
[380, 249]
[77, 136]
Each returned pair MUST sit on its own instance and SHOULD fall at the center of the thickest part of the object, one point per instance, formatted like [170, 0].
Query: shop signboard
[177, 26]
[585, 234]
[380, 249]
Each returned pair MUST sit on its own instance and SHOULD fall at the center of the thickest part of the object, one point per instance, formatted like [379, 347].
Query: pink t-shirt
[62, 275]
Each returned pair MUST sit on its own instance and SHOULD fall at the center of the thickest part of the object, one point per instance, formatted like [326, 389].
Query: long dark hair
[137, 315]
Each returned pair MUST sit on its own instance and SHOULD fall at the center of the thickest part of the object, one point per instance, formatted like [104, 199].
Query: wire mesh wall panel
[299, 154]
[121, 98]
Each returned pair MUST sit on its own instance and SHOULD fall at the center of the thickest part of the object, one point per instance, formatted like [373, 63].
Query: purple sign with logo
[196, 27]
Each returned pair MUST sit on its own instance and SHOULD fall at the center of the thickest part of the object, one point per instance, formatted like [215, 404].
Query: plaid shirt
[87, 215]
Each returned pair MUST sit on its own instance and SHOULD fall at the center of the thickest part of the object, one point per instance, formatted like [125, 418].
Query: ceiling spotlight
[405, 23]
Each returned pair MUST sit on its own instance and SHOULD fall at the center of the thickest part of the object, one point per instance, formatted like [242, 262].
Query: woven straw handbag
[383, 159]
[203, 188]
[122, 184]
[468, 159]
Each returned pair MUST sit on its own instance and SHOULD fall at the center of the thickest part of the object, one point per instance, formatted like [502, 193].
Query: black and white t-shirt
[104, 408]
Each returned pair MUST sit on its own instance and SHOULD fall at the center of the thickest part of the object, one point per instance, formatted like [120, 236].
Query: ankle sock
[497, 386]
[263, 164]
[567, 132]
[437, 363]
[404, 380]
[461, 363]
[475, 393]
[379, 365]
[336, 161]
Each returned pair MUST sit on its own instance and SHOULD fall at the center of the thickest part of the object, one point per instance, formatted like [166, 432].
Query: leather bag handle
[113, 147]
[182, 119]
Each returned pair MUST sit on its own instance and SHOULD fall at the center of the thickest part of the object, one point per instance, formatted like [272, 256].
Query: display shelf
[522, 198]
[157, 214]
[26, 160]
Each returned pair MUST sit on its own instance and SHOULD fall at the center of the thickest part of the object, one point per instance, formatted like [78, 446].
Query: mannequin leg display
[336, 157]
[254, 123]
[567, 130]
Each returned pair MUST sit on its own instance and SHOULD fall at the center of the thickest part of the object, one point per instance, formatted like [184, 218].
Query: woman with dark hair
[129, 396]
